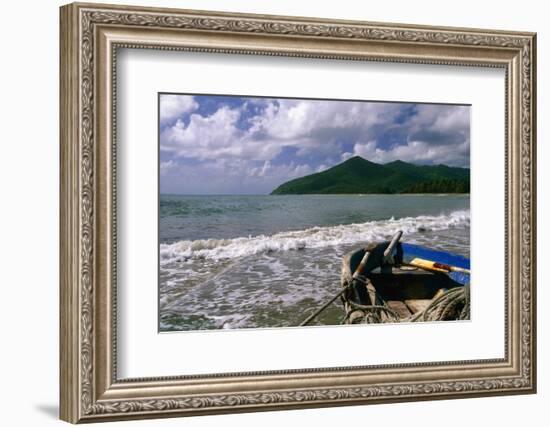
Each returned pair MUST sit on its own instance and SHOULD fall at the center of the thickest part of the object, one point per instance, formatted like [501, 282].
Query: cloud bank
[241, 145]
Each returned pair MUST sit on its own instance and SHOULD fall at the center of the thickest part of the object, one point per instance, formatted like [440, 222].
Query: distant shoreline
[360, 176]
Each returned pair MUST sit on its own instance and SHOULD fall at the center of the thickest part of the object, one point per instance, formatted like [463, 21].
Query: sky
[245, 145]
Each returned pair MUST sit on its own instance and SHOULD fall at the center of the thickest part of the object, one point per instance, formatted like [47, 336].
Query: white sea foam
[315, 237]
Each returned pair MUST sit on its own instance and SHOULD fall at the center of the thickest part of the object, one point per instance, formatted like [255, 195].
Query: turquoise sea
[268, 261]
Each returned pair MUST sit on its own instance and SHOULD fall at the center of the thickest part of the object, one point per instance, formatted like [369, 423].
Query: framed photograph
[266, 212]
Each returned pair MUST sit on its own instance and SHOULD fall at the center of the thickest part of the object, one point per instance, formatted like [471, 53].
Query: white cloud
[166, 167]
[294, 121]
[228, 176]
[173, 107]
[416, 151]
[440, 124]
[346, 155]
[216, 136]
[230, 148]
[311, 127]
[277, 172]
[436, 134]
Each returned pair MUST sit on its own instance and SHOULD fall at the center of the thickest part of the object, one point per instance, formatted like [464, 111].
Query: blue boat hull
[411, 251]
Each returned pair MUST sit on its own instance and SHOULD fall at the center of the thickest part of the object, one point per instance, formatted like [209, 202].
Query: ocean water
[231, 262]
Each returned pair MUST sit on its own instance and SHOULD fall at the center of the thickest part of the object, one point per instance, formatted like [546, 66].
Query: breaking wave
[315, 237]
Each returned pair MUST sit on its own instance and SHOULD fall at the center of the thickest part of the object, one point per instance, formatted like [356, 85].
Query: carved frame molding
[90, 36]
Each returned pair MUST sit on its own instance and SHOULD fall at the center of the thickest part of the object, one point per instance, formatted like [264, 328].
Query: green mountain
[357, 175]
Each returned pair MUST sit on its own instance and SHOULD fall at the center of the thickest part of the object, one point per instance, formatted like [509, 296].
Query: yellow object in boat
[437, 266]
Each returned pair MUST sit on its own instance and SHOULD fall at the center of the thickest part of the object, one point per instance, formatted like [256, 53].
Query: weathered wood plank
[416, 305]
[400, 307]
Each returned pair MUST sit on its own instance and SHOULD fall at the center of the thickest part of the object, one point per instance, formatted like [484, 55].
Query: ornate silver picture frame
[91, 35]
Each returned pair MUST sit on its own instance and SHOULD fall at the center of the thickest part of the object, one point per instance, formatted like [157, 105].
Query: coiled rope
[453, 304]
[371, 313]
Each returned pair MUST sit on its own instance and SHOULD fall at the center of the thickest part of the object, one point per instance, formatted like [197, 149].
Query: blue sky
[244, 145]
